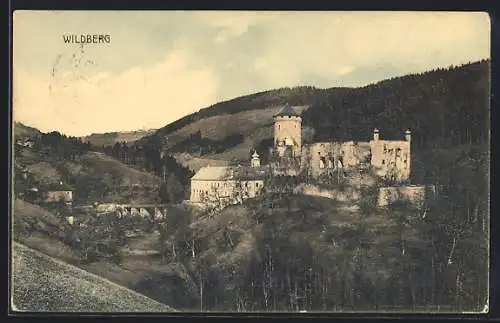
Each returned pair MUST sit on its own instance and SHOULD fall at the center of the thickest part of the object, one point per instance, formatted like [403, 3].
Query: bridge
[154, 211]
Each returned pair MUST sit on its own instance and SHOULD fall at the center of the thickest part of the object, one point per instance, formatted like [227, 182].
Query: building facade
[391, 159]
[226, 183]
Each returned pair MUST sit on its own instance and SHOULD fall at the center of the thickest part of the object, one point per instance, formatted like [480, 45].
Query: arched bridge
[155, 211]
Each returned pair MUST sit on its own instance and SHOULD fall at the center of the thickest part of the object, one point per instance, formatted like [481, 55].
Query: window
[340, 162]
[256, 184]
[322, 162]
[383, 162]
[279, 127]
[330, 163]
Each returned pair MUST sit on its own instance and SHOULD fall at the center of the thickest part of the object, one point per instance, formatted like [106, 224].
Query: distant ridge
[421, 102]
[41, 283]
[111, 138]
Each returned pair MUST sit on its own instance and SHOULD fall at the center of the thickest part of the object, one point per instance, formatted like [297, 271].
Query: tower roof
[286, 111]
[255, 154]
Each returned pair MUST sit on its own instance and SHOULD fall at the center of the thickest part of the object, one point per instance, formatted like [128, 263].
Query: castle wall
[321, 157]
[391, 159]
[57, 196]
[414, 194]
[289, 130]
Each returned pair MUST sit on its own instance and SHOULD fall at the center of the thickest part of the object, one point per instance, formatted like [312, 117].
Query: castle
[389, 159]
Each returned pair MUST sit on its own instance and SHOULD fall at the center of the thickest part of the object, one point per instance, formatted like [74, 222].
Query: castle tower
[287, 129]
[255, 162]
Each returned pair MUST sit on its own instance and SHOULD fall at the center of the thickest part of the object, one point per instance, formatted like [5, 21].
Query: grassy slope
[92, 170]
[41, 230]
[22, 131]
[253, 125]
[41, 283]
[110, 138]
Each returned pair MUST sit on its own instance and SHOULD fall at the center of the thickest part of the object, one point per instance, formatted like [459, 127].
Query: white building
[227, 183]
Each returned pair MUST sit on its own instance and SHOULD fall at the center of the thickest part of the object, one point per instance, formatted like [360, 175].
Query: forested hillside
[294, 253]
[444, 108]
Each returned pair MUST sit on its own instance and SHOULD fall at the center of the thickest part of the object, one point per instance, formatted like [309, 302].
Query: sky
[160, 66]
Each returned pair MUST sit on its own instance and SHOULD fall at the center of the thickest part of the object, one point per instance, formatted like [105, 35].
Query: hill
[443, 107]
[110, 138]
[43, 284]
[285, 252]
[22, 131]
[93, 175]
[292, 252]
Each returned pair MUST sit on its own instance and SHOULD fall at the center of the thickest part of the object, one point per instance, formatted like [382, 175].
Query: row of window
[393, 162]
[329, 154]
[225, 185]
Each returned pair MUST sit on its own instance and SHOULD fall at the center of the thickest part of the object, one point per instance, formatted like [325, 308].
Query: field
[254, 125]
[110, 138]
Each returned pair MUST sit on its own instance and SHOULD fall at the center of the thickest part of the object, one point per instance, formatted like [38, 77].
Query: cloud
[332, 45]
[219, 55]
[230, 24]
[141, 96]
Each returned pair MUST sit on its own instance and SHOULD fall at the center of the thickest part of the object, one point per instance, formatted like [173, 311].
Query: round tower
[288, 129]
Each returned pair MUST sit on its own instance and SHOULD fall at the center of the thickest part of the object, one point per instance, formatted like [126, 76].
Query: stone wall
[323, 156]
[348, 195]
[415, 194]
[58, 196]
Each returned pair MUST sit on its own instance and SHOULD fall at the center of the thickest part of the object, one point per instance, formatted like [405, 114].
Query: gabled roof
[287, 110]
[222, 173]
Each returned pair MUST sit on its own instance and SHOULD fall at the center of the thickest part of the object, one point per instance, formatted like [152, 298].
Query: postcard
[250, 161]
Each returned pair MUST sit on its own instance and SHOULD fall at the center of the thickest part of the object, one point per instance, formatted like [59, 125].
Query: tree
[174, 188]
